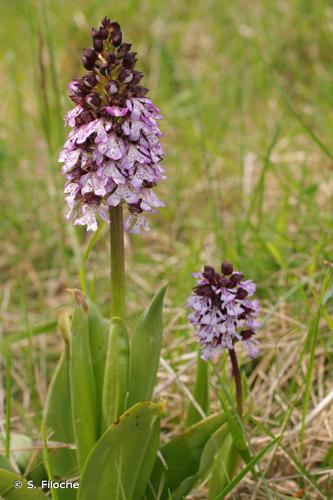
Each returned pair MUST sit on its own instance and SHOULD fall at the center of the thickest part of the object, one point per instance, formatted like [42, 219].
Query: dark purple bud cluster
[223, 311]
[215, 281]
[112, 78]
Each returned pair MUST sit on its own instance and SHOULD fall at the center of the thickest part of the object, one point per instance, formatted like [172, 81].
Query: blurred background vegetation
[246, 91]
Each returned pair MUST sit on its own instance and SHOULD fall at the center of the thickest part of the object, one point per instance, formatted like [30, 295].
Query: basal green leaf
[115, 386]
[4, 464]
[208, 454]
[145, 351]
[184, 488]
[181, 456]
[82, 381]
[224, 467]
[212, 447]
[312, 337]
[58, 420]
[8, 480]
[120, 464]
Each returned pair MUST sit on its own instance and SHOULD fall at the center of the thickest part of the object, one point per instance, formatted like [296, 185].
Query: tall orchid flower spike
[112, 154]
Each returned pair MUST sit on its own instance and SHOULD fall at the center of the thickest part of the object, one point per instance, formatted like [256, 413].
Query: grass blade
[8, 403]
[200, 393]
[252, 463]
[311, 341]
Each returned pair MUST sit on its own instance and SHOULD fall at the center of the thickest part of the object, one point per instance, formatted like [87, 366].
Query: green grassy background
[246, 90]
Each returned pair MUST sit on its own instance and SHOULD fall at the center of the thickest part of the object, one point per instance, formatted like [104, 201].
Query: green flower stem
[117, 261]
[238, 381]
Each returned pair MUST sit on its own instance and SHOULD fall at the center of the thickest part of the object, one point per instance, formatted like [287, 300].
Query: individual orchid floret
[112, 154]
[223, 311]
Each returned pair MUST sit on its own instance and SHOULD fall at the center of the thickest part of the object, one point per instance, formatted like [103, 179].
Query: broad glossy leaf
[82, 381]
[58, 420]
[200, 393]
[67, 494]
[182, 456]
[213, 445]
[9, 492]
[116, 372]
[145, 351]
[224, 467]
[209, 452]
[120, 464]
[184, 488]
[4, 464]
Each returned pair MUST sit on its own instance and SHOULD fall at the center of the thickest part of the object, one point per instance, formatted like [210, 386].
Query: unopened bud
[227, 268]
[137, 76]
[129, 60]
[241, 293]
[102, 33]
[116, 35]
[209, 272]
[123, 49]
[89, 58]
[141, 91]
[98, 44]
[236, 278]
[106, 23]
[111, 59]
